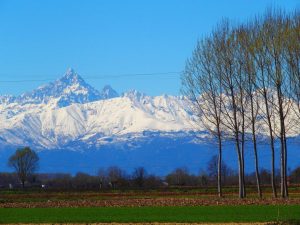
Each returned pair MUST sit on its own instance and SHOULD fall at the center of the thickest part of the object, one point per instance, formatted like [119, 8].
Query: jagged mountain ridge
[71, 88]
[69, 110]
[105, 129]
[69, 113]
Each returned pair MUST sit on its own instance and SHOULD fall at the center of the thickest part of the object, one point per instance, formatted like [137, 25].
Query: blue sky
[39, 40]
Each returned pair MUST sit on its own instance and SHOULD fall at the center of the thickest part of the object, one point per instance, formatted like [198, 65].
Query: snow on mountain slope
[71, 88]
[70, 110]
[107, 92]
[45, 126]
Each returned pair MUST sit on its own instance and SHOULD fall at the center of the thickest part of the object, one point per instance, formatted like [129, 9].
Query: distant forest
[114, 178]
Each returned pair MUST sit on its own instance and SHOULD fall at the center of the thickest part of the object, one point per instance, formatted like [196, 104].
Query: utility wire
[99, 77]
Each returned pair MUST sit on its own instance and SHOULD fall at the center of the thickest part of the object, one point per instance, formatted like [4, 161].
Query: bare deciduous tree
[202, 86]
[139, 176]
[245, 78]
[24, 162]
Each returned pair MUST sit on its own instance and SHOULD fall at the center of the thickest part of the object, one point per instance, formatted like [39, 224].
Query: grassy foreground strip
[250, 213]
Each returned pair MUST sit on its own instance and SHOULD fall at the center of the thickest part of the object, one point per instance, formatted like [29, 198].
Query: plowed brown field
[139, 202]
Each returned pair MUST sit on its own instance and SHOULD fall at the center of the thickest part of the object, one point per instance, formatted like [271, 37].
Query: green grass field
[250, 213]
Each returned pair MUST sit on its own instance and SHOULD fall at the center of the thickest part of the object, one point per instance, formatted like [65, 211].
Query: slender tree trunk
[243, 146]
[273, 166]
[282, 170]
[220, 165]
[243, 162]
[282, 145]
[256, 166]
[285, 165]
[255, 148]
[241, 184]
[238, 147]
[272, 146]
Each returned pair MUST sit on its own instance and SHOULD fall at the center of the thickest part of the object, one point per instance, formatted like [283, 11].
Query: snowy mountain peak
[70, 88]
[67, 111]
[107, 92]
[71, 77]
[134, 95]
[70, 71]
[6, 99]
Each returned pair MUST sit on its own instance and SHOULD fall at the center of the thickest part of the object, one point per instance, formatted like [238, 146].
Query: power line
[99, 77]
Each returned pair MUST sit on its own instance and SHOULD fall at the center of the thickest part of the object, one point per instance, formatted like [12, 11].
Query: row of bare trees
[243, 81]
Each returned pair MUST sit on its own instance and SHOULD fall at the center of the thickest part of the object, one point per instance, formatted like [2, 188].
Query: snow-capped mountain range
[71, 111]
[75, 127]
